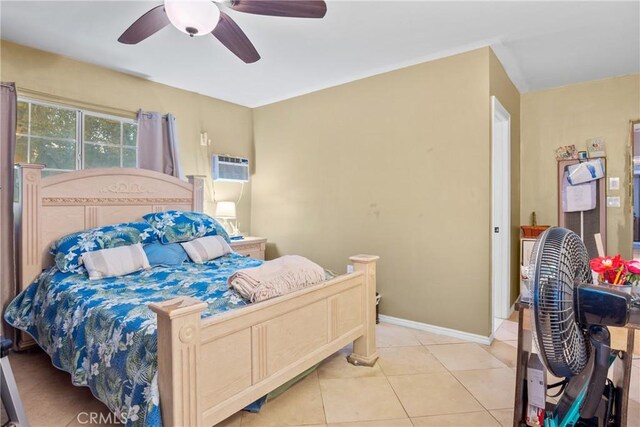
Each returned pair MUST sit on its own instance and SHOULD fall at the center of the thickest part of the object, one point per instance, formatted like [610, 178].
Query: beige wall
[47, 76]
[502, 88]
[571, 115]
[396, 165]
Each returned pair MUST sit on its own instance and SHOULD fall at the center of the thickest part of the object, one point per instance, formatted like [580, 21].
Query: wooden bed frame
[208, 369]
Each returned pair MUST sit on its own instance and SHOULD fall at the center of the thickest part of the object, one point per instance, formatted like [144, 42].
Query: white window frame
[80, 141]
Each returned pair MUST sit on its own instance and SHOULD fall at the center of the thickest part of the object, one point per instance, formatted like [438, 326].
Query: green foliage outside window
[52, 135]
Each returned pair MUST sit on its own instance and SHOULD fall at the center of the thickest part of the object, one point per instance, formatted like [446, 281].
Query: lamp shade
[226, 210]
[193, 17]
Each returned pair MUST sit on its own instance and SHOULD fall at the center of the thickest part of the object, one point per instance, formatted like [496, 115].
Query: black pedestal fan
[570, 318]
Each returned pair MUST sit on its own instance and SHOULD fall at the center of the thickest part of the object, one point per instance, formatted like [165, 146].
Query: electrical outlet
[613, 201]
[349, 268]
[614, 183]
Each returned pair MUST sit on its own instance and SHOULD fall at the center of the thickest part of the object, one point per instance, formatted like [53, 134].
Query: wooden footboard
[208, 369]
[211, 368]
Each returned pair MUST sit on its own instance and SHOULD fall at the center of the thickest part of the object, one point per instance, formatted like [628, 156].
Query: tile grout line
[452, 413]
[355, 378]
[393, 389]
[396, 395]
[71, 420]
[493, 416]
[469, 391]
[471, 394]
[445, 370]
[457, 413]
[456, 378]
[324, 408]
[474, 369]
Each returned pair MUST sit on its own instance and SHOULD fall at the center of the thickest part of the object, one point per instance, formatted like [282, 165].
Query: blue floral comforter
[103, 334]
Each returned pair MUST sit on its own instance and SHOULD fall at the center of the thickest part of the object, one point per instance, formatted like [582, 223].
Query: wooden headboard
[54, 206]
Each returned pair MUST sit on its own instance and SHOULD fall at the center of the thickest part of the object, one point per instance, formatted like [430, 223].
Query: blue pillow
[182, 226]
[171, 255]
[67, 250]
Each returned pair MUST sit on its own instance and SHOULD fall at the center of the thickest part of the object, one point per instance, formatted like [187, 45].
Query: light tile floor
[421, 379]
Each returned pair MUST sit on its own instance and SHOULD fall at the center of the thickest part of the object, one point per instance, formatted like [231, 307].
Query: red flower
[633, 266]
[605, 263]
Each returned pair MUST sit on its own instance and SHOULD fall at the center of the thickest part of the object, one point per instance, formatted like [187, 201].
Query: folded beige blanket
[277, 277]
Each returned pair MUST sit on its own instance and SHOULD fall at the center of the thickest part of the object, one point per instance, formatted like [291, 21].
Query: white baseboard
[437, 329]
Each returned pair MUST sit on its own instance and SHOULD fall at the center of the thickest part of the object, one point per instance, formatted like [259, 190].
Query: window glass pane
[16, 184]
[52, 121]
[47, 172]
[21, 150]
[23, 118]
[98, 129]
[129, 157]
[54, 154]
[100, 156]
[130, 132]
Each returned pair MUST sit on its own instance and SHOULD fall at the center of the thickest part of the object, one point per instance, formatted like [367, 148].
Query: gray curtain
[8, 106]
[158, 143]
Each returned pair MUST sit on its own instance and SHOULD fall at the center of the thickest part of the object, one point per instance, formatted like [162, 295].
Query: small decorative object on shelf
[533, 230]
[613, 271]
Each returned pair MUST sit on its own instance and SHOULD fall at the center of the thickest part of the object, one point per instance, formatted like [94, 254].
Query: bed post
[178, 360]
[364, 348]
[30, 252]
[198, 192]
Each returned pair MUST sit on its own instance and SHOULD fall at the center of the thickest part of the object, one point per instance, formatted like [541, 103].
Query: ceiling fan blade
[234, 39]
[287, 8]
[147, 25]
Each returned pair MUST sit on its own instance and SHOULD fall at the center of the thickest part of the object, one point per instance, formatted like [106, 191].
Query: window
[67, 139]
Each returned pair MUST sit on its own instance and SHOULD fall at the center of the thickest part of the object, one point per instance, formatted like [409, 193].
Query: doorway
[501, 212]
[635, 164]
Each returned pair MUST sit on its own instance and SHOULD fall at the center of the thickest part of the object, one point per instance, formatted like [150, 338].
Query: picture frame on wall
[566, 152]
[526, 248]
[596, 148]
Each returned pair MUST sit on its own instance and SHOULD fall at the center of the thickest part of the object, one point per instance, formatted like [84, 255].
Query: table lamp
[227, 211]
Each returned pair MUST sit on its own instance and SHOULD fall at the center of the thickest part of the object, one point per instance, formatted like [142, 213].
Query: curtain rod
[11, 87]
[43, 96]
[149, 114]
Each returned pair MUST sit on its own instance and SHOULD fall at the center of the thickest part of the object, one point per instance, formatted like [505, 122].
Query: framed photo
[595, 147]
[526, 249]
[582, 155]
[566, 152]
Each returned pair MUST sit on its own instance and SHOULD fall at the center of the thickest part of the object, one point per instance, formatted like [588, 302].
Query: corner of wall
[501, 86]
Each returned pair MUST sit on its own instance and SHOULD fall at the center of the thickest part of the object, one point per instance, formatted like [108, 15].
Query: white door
[501, 211]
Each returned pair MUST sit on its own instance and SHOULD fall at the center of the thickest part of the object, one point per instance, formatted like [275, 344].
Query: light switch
[204, 139]
[614, 183]
[613, 201]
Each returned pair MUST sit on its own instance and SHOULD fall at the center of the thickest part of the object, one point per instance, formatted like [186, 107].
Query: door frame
[500, 212]
[633, 125]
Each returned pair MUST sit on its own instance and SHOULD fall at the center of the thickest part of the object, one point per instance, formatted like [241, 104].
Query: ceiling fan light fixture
[193, 17]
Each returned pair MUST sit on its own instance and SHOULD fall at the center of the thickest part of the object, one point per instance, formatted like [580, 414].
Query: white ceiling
[542, 44]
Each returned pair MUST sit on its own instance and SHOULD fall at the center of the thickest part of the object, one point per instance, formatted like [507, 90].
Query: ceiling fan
[201, 17]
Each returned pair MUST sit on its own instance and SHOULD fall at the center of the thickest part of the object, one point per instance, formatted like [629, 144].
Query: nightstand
[250, 246]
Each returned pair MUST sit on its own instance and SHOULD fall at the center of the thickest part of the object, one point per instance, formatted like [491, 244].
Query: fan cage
[559, 262]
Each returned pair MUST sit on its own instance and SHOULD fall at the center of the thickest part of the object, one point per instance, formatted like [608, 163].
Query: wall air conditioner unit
[228, 168]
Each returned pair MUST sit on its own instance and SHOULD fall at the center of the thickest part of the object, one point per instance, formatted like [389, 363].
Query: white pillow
[206, 248]
[115, 262]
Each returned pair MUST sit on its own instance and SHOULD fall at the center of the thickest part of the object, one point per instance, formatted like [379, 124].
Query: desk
[621, 373]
